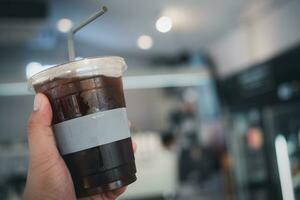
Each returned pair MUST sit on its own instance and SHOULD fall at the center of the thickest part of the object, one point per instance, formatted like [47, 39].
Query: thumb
[41, 141]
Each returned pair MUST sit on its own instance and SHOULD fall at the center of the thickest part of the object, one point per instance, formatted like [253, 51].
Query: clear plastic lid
[108, 66]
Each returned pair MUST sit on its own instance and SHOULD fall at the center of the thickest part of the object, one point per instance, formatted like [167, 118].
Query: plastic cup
[90, 122]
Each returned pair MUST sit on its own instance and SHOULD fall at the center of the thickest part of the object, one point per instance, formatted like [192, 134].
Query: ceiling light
[78, 58]
[33, 68]
[145, 42]
[64, 25]
[164, 24]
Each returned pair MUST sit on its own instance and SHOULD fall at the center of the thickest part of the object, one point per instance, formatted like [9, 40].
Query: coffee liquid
[97, 169]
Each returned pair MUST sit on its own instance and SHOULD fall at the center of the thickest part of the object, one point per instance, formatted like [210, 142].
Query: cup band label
[91, 130]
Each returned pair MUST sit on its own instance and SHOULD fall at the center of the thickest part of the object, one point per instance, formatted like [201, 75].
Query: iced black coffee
[90, 122]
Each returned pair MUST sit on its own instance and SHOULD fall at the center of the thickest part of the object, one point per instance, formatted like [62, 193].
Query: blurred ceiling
[197, 23]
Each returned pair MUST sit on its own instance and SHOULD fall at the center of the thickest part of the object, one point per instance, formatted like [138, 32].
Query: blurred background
[212, 90]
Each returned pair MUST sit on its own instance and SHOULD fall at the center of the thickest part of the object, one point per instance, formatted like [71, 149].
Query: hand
[48, 177]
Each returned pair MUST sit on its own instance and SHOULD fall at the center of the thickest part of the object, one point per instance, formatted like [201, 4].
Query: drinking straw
[71, 33]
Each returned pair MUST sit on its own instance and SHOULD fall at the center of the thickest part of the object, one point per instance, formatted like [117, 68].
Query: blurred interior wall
[148, 109]
[259, 37]
[13, 117]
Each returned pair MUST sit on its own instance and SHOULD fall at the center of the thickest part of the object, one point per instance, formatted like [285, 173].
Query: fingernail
[37, 102]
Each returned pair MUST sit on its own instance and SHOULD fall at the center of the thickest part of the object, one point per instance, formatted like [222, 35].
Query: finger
[106, 195]
[134, 146]
[41, 140]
